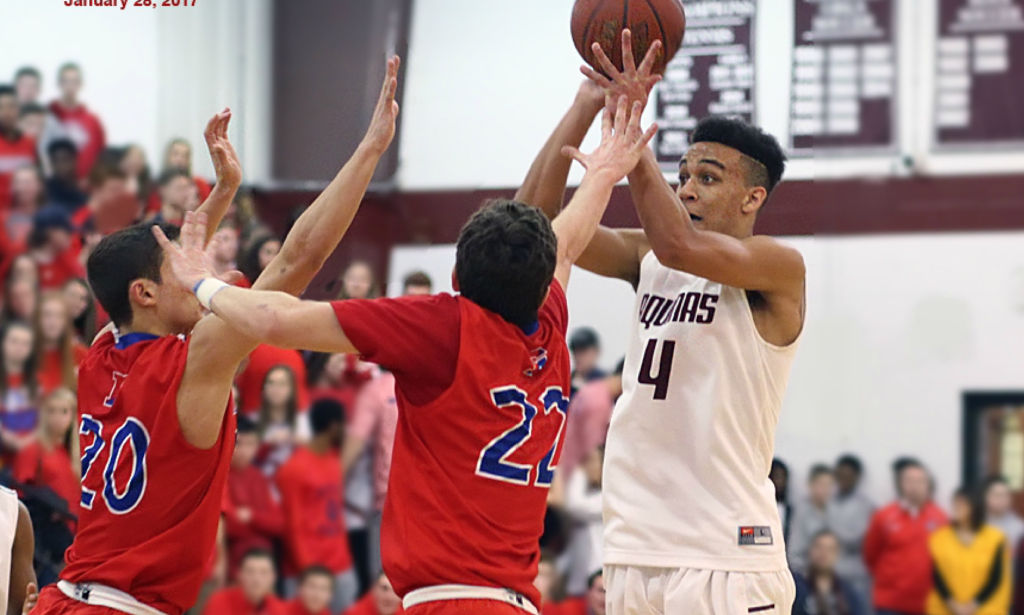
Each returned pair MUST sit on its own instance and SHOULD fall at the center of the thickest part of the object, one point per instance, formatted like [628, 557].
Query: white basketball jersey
[692, 436]
[8, 528]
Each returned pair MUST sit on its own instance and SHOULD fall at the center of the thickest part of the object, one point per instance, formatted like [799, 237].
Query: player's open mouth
[695, 218]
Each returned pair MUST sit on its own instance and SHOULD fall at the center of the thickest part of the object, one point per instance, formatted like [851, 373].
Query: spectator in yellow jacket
[972, 563]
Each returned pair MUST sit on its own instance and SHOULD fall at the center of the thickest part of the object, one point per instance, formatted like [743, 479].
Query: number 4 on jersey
[659, 382]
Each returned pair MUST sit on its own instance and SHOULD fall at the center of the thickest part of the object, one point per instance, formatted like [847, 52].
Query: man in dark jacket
[820, 590]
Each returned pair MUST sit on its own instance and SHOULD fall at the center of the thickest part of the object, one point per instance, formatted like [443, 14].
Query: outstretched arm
[216, 348]
[757, 263]
[227, 168]
[622, 143]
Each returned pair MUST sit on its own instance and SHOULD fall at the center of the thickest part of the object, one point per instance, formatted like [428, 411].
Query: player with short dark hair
[157, 432]
[481, 419]
[715, 328]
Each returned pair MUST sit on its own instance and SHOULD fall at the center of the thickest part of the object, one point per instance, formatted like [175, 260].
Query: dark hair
[66, 67]
[903, 463]
[291, 406]
[820, 469]
[851, 461]
[169, 175]
[85, 323]
[505, 260]
[249, 264]
[28, 71]
[973, 499]
[257, 553]
[7, 90]
[29, 370]
[316, 570]
[417, 278]
[324, 414]
[778, 464]
[104, 171]
[61, 145]
[594, 577]
[584, 338]
[620, 366]
[750, 141]
[992, 481]
[30, 108]
[247, 426]
[120, 259]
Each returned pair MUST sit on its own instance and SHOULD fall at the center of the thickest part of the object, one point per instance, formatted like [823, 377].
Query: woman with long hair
[258, 256]
[133, 163]
[18, 388]
[277, 419]
[82, 309]
[55, 346]
[53, 459]
[358, 282]
[971, 563]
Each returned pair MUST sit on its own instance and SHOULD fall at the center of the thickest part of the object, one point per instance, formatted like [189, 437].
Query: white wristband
[207, 288]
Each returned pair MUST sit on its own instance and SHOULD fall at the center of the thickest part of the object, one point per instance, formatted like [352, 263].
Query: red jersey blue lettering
[150, 500]
[472, 460]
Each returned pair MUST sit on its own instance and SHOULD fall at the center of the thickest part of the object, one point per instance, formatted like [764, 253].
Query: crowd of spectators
[308, 480]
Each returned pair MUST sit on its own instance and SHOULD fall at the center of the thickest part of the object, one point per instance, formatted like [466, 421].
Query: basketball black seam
[625, 15]
[661, 27]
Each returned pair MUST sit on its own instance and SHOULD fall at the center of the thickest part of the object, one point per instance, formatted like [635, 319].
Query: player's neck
[320, 446]
[146, 323]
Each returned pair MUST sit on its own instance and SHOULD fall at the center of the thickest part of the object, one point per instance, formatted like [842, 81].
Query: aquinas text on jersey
[687, 307]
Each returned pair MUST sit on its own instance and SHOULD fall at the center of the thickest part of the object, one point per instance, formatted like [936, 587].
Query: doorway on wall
[993, 432]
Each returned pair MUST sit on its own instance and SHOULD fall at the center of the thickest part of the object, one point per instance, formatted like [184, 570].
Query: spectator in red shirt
[80, 124]
[17, 149]
[253, 517]
[311, 487]
[58, 353]
[380, 600]
[82, 307]
[896, 545]
[64, 189]
[53, 459]
[255, 592]
[277, 420]
[316, 585]
[178, 196]
[16, 222]
[28, 83]
[51, 246]
[262, 360]
[18, 389]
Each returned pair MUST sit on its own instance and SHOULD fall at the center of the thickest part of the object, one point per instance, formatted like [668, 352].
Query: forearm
[318, 231]
[544, 186]
[665, 220]
[256, 314]
[216, 205]
[576, 225]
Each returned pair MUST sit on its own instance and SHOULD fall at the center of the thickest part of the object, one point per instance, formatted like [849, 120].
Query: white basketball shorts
[667, 591]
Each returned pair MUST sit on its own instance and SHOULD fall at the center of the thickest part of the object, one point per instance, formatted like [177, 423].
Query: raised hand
[385, 116]
[225, 160]
[622, 142]
[632, 82]
[190, 258]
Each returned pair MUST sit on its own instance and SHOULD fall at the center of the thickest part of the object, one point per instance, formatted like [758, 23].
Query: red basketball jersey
[472, 466]
[150, 500]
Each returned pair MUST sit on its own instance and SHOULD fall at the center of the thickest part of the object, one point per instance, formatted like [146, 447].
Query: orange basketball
[602, 21]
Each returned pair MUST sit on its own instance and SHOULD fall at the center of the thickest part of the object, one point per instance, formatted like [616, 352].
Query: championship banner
[713, 74]
[979, 78]
[844, 77]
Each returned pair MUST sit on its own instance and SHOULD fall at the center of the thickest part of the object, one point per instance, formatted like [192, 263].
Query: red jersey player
[482, 382]
[156, 435]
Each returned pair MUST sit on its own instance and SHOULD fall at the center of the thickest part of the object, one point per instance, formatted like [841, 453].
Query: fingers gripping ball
[602, 21]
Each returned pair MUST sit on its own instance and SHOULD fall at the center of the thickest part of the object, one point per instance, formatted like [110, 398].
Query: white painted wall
[897, 328]
[155, 74]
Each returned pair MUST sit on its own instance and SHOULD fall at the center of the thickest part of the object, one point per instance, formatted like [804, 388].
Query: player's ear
[142, 292]
[755, 198]
[455, 280]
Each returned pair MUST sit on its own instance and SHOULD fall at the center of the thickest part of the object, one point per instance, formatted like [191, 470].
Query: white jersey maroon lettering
[692, 436]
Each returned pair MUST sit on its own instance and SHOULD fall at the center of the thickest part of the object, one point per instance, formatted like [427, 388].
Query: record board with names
[713, 74]
[979, 80]
[844, 77]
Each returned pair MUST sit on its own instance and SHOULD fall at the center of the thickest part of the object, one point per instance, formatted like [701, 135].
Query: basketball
[602, 21]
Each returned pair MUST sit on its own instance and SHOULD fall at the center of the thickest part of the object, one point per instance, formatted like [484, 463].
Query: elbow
[672, 252]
